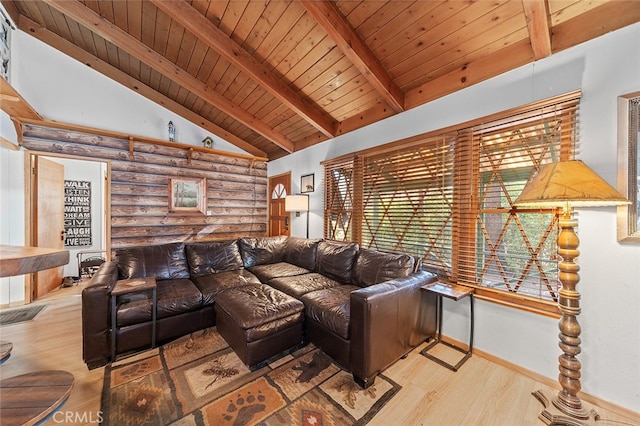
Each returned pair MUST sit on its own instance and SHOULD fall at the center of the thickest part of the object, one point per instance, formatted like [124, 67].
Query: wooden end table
[453, 292]
[133, 285]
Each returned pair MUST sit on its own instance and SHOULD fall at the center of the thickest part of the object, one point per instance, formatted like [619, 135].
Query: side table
[132, 285]
[453, 292]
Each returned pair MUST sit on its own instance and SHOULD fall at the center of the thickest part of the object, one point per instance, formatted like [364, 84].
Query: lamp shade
[568, 183]
[296, 203]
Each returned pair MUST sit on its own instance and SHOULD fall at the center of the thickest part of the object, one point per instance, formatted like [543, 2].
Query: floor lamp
[568, 184]
[297, 203]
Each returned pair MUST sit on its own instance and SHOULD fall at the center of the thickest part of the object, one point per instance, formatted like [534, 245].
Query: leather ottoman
[259, 322]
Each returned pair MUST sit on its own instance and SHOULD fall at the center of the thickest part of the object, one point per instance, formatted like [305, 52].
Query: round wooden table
[28, 398]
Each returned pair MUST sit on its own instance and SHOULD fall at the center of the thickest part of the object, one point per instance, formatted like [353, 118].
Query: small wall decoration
[187, 195]
[207, 142]
[172, 132]
[77, 213]
[306, 183]
[5, 48]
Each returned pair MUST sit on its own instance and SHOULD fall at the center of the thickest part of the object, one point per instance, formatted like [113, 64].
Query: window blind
[447, 196]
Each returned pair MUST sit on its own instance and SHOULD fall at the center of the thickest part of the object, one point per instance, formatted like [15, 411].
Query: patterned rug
[14, 316]
[199, 380]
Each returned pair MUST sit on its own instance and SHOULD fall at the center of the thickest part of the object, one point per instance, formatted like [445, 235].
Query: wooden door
[48, 216]
[279, 220]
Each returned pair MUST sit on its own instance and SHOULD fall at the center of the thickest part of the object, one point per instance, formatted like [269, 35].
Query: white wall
[603, 69]
[11, 207]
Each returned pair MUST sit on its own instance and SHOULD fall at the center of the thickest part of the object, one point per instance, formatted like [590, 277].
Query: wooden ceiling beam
[113, 34]
[509, 58]
[348, 40]
[197, 24]
[537, 16]
[82, 56]
[594, 23]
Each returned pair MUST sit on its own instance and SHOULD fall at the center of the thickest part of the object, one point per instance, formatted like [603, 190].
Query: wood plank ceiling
[274, 77]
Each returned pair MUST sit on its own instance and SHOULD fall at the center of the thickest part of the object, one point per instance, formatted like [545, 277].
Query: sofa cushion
[214, 284]
[299, 285]
[255, 305]
[331, 308]
[212, 257]
[335, 259]
[373, 267]
[273, 270]
[173, 297]
[164, 262]
[260, 251]
[301, 252]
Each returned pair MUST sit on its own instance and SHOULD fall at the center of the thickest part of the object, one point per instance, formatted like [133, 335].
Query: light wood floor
[480, 393]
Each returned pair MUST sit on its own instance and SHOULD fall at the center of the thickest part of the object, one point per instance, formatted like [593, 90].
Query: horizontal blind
[503, 247]
[407, 199]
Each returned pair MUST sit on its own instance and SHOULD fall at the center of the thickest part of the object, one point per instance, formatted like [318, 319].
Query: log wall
[139, 192]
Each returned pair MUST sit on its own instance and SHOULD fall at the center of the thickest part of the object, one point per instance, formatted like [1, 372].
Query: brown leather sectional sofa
[362, 307]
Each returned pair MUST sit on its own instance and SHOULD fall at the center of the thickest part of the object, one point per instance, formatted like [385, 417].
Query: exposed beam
[13, 104]
[348, 40]
[594, 23]
[537, 15]
[82, 56]
[113, 34]
[504, 60]
[197, 24]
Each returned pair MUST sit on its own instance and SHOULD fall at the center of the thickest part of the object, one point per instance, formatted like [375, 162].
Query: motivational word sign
[77, 213]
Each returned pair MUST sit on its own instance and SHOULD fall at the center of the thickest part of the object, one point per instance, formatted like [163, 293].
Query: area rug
[17, 315]
[199, 380]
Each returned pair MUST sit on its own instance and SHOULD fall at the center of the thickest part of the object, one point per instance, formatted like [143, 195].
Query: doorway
[279, 219]
[83, 205]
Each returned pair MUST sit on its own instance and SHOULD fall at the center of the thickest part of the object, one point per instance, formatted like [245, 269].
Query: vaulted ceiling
[274, 77]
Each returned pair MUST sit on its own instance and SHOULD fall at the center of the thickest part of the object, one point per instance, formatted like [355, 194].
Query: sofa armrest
[387, 321]
[96, 316]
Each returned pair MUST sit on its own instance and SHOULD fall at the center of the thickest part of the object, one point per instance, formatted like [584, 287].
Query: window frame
[461, 226]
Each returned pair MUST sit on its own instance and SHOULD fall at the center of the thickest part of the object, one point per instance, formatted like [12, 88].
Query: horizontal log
[162, 211]
[184, 231]
[134, 242]
[163, 191]
[195, 220]
[134, 178]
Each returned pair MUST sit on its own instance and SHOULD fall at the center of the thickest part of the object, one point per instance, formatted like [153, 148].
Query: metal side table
[453, 292]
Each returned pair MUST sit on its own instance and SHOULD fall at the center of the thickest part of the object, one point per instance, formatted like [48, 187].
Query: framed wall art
[307, 184]
[187, 195]
[629, 167]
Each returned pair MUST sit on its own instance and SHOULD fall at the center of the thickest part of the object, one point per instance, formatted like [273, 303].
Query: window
[339, 200]
[448, 197]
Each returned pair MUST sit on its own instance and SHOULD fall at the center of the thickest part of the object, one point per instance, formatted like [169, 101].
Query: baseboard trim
[621, 411]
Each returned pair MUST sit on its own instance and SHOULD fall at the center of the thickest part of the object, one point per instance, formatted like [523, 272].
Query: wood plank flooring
[482, 392]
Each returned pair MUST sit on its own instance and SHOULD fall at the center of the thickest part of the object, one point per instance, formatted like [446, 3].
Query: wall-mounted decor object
[207, 142]
[172, 132]
[306, 183]
[77, 213]
[5, 48]
[187, 195]
[629, 167]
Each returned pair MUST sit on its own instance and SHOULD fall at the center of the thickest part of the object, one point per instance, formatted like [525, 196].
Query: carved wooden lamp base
[556, 414]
